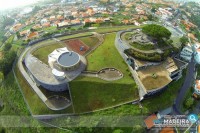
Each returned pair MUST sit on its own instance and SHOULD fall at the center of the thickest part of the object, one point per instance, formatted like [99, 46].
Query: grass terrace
[43, 52]
[154, 77]
[91, 93]
[90, 41]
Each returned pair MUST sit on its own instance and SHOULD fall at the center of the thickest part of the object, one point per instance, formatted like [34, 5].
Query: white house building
[186, 53]
[197, 53]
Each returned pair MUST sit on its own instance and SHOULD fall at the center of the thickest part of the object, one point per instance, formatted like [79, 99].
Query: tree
[153, 9]
[7, 62]
[7, 47]
[32, 30]
[189, 102]
[18, 35]
[156, 31]
[1, 77]
[183, 40]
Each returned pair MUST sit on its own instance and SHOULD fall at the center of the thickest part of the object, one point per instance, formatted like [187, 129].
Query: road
[185, 87]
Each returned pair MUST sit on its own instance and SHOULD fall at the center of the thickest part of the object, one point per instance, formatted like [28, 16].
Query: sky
[7, 4]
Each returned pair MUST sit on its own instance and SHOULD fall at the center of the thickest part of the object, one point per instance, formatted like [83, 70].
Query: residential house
[24, 33]
[186, 53]
[197, 53]
[37, 26]
[149, 121]
[75, 21]
[192, 36]
[44, 20]
[47, 24]
[32, 35]
[16, 27]
[60, 17]
[62, 24]
[52, 18]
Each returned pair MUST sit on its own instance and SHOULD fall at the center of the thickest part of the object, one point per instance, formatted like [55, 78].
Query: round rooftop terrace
[68, 59]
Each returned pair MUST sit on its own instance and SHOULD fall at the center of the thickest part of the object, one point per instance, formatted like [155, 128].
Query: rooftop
[40, 70]
[154, 77]
[149, 121]
[68, 58]
[198, 84]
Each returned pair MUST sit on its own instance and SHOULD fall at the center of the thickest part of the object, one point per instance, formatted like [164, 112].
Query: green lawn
[35, 103]
[90, 41]
[43, 52]
[90, 93]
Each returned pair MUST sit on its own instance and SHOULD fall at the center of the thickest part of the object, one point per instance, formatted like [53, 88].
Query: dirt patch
[75, 45]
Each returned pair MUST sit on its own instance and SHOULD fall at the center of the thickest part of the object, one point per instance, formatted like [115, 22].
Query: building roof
[76, 21]
[47, 24]
[25, 32]
[149, 121]
[60, 17]
[58, 73]
[198, 84]
[192, 36]
[41, 71]
[37, 26]
[32, 35]
[171, 66]
[63, 24]
[162, 72]
[17, 27]
[52, 18]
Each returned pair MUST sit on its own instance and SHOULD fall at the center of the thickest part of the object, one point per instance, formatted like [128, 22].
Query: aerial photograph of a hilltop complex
[100, 66]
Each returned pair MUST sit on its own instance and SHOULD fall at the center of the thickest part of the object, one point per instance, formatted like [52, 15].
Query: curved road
[185, 87]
